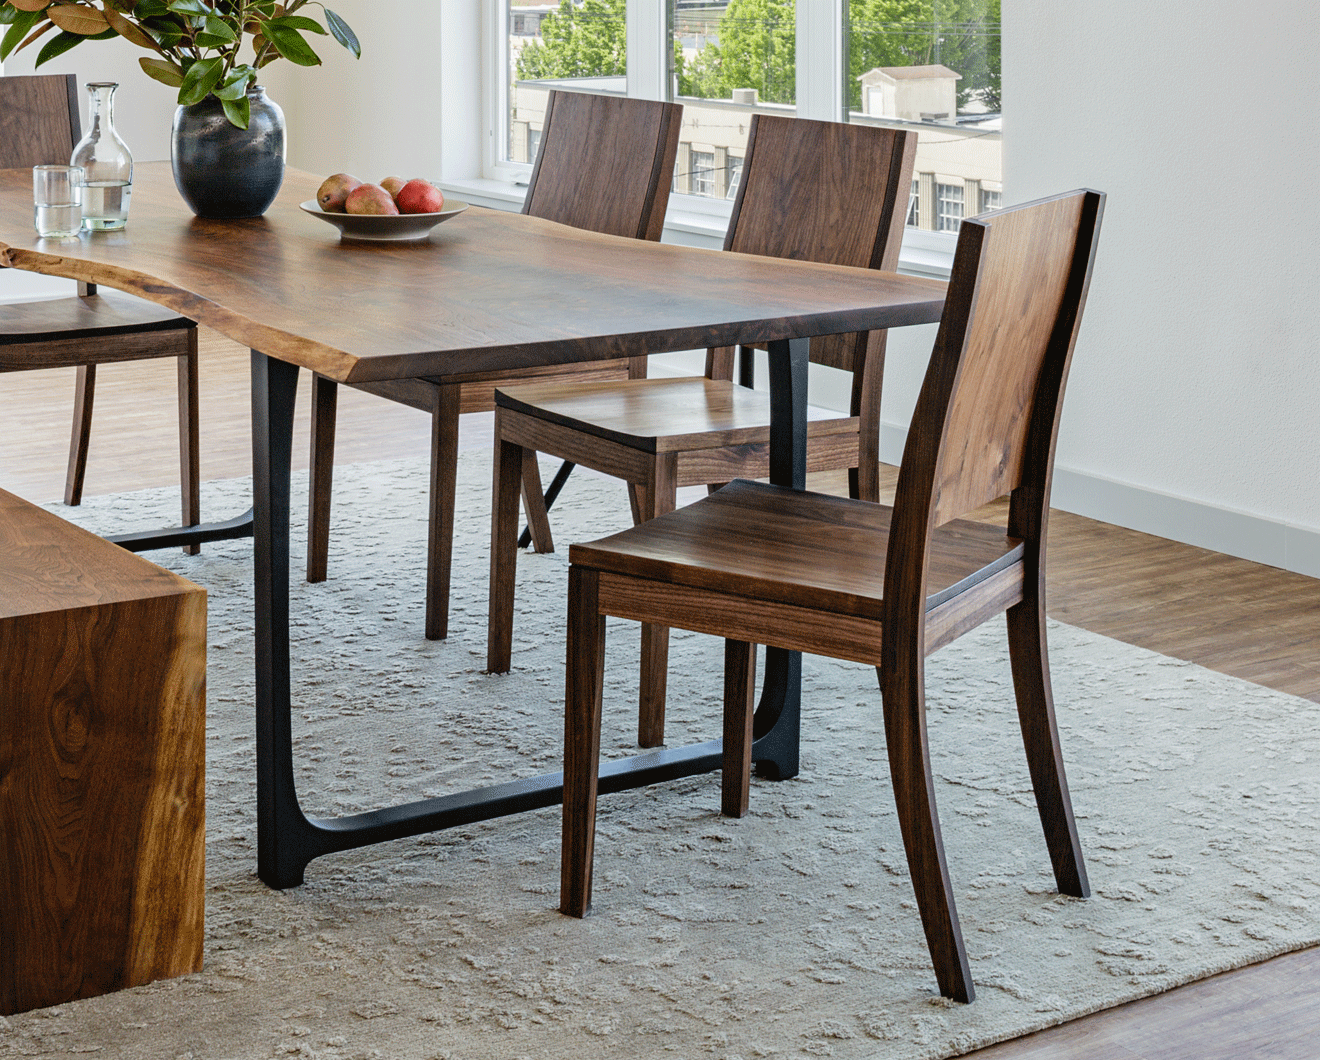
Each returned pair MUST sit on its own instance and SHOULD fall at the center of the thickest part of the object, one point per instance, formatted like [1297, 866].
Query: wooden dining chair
[606, 164]
[760, 564]
[39, 125]
[810, 190]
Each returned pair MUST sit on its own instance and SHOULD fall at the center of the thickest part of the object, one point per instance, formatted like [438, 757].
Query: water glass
[57, 201]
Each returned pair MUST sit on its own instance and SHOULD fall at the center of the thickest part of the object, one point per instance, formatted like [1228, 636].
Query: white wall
[1193, 409]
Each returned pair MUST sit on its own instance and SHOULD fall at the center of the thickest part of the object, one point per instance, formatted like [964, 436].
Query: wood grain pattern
[1228, 614]
[564, 294]
[39, 125]
[810, 191]
[606, 165]
[797, 570]
[102, 751]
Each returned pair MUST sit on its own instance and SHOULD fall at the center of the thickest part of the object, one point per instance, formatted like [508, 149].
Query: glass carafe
[106, 163]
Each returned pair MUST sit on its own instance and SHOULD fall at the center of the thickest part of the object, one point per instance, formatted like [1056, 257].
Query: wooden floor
[1240, 618]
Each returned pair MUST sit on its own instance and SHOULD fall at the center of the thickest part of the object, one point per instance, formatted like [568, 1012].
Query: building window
[703, 172]
[991, 200]
[929, 66]
[735, 164]
[533, 144]
[948, 207]
[914, 204]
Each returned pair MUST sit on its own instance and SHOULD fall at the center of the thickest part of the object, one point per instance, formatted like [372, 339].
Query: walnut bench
[102, 762]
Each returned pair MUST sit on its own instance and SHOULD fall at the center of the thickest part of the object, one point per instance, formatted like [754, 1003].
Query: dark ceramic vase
[223, 171]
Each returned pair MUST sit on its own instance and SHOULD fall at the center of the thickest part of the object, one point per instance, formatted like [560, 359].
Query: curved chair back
[38, 120]
[827, 192]
[606, 163]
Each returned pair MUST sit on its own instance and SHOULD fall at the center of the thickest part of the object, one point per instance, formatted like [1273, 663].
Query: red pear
[417, 196]
[331, 194]
[370, 198]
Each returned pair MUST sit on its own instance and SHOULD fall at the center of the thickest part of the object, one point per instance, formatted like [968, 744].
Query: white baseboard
[1234, 533]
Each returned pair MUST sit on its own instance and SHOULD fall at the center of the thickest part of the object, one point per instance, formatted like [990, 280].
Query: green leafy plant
[195, 44]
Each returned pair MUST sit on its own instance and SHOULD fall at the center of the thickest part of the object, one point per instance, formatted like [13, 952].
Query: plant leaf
[235, 85]
[29, 5]
[237, 111]
[297, 22]
[342, 33]
[40, 31]
[74, 18]
[129, 30]
[58, 46]
[290, 44]
[188, 7]
[218, 27]
[18, 29]
[161, 70]
[201, 77]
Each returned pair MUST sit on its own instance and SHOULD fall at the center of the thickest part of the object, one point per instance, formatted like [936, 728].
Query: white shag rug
[790, 933]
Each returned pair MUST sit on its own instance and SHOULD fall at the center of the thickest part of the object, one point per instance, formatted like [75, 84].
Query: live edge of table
[487, 291]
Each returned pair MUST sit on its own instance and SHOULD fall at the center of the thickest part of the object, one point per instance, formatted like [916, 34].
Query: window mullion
[819, 75]
[648, 32]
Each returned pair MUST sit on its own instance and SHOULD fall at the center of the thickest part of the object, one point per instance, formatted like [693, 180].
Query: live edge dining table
[488, 290]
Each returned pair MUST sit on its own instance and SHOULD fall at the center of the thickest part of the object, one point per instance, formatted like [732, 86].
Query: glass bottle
[106, 162]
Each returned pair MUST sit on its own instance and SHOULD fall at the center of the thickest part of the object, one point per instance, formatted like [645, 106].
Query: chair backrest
[987, 417]
[606, 163]
[828, 192]
[38, 120]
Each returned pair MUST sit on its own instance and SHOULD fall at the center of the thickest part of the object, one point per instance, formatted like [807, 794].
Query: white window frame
[695, 219]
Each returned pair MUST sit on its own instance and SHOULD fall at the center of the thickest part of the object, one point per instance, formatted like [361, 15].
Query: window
[991, 200]
[703, 172]
[533, 144]
[948, 207]
[928, 65]
[735, 165]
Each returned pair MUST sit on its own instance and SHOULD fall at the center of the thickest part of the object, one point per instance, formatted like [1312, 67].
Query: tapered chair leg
[84, 396]
[1029, 655]
[538, 516]
[914, 795]
[506, 480]
[739, 708]
[190, 468]
[325, 399]
[584, 683]
[658, 497]
[444, 488]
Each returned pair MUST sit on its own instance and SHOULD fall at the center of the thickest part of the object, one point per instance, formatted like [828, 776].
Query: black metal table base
[179, 536]
[287, 840]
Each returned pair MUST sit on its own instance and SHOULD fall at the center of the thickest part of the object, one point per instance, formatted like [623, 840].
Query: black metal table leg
[286, 838]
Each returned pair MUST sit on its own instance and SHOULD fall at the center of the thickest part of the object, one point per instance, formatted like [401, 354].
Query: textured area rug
[790, 933]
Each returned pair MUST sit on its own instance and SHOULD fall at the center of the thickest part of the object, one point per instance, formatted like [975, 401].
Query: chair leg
[507, 477]
[325, 399]
[584, 681]
[444, 488]
[739, 706]
[659, 496]
[84, 395]
[1029, 655]
[190, 469]
[903, 692]
[538, 516]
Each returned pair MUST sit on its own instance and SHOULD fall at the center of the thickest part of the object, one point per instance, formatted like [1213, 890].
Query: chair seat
[765, 542]
[663, 415]
[107, 313]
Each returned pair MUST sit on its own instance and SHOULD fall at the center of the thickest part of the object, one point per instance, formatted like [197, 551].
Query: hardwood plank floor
[1231, 615]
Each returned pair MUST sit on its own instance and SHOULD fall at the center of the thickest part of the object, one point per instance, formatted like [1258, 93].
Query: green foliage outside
[756, 46]
[578, 40]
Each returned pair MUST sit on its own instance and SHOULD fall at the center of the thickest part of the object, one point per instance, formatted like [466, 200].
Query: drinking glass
[57, 201]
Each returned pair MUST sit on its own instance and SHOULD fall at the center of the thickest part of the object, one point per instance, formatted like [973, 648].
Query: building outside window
[948, 207]
[932, 66]
[703, 173]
